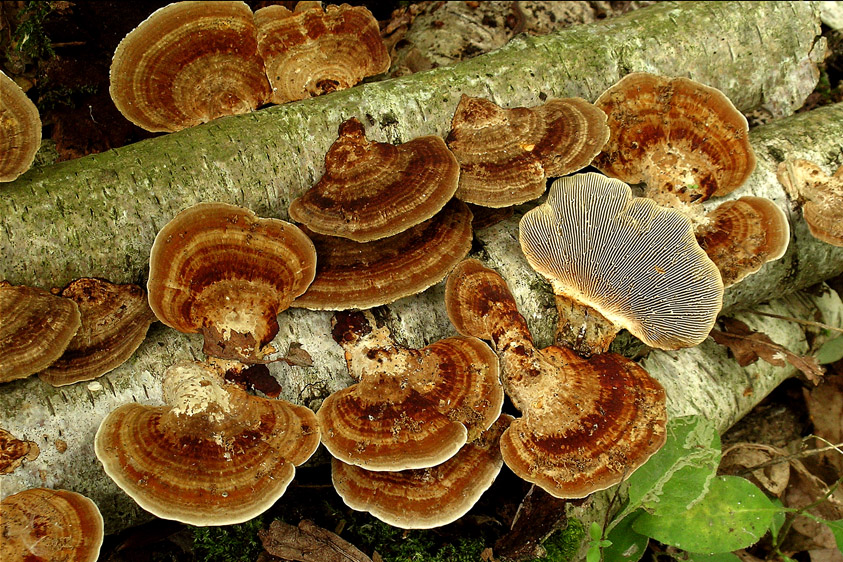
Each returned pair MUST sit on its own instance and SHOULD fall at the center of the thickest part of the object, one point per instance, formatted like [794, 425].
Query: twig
[797, 320]
[800, 455]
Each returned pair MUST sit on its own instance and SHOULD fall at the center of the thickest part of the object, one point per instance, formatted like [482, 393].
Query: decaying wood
[98, 215]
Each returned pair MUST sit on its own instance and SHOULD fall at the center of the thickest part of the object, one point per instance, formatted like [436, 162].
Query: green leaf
[593, 554]
[778, 519]
[836, 527]
[595, 531]
[678, 475]
[627, 545]
[830, 351]
[733, 515]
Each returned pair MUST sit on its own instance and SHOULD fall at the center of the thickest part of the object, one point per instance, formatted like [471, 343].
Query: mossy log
[97, 216]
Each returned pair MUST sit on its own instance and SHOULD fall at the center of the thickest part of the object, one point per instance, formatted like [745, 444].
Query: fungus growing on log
[20, 130]
[214, 456]
[14, 451]
[820, 195]
[372, 190]
[42, 525]
[616, 261]
[114, 322]
[744, 234]
[506, 155]
[36, 329]
[367, 274]
[587, 423]
[189, 63]
[312, 51]
[426, 497]
[411, 408]
[685, 140]
[220, 270]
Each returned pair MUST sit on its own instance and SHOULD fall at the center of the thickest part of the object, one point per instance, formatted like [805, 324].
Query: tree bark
[98, 215]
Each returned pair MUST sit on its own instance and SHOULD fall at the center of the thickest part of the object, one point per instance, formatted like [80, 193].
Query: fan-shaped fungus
[506, 155]
[685, 140]
[821, 197]
[372, 190]
[189, 63]
[617, 261]
[214, 456]
[20, 130]
[219, 270]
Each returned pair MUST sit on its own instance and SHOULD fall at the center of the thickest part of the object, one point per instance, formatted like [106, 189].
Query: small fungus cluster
[820, 195]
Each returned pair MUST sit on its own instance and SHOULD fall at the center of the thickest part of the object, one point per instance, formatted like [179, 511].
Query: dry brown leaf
[805, 489]
[825, 406]
[747, 346]
[741, 457]
[308, 543]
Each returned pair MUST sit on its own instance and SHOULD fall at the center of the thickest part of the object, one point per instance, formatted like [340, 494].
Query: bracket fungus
[367, 274]
[114, 322]
[821, 197]
[43, 525]
[426, 497]
[13, 452]
[372, 190]
[20, 130]
[189, 63]
[36, 329]
[214, 456]
[313, 51]
[685, 140]
[587, 422]
[744, 234]
[411, 408]
[220, 270]
[616, 261]
[506, 155]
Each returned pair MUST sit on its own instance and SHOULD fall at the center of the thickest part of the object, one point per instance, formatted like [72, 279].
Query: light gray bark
[98, 215]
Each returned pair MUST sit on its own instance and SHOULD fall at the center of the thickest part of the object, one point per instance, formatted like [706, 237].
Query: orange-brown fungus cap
[682, 138]
[41, 525]
[367, 274]
[743, 235]
[821, 197]
[189, 63]
[14, 451]
[313, 52]
[372, 190]
[36, 329]
[412, 408]
[587, 424]
[115, 319]
[214, 456]
[427, 497]
[626, 261]
[220, 270]
[20, 130]
[506, 155]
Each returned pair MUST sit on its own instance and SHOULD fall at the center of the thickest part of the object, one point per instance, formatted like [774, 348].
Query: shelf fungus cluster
[383, 220]
[586, 422]
[214, 455]
[42, 525]
[191, 62]
[20, 130]
[74, 334]
[820, 195]
[415, 415]
[506, 155]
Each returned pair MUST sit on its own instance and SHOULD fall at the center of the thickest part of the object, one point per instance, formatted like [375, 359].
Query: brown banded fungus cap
[821, 197]
[426, 497]
[744, 234]
[36, 329]
[685, 140]
[587, 423]
[367, 274]
[42, 525]
[616, 261]
[412, 408]
[214, 456]
[372, 190]
[311, 52]
[220, 270]
[115, 319]
[506, 155]
[20, 130]
[189, 63]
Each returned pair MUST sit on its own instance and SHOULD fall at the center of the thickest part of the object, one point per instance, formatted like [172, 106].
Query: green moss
[564, 544]
[29, 41]
[229, 543]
